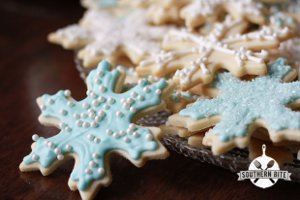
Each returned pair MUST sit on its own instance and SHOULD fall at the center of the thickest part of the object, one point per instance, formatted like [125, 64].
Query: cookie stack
[225, 70]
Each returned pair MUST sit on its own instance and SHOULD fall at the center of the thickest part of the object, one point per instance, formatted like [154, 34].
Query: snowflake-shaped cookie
[243, 106]
[93, 128]
[196, 13]
[196, 58]
[102, 35]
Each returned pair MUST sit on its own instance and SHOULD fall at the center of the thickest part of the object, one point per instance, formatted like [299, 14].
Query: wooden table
[30, 67]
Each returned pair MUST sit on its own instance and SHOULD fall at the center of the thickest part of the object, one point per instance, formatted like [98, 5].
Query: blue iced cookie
[242, 106]
[93, 128]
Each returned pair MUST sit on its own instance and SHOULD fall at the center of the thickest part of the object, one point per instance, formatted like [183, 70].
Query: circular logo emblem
[265, 164]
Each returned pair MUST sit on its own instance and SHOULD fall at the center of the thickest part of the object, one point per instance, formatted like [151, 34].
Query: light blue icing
[282, 20]
[134, 141]
[106, 3]
[240, 103]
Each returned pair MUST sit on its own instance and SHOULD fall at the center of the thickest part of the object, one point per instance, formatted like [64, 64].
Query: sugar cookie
[242, 106]
[95, 127]
[203, 56]
[101, 35]
[198, 11]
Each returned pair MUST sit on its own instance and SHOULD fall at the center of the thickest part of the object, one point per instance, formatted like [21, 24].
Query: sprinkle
[158, 91]
[85, 124]
[70, 104]
[102, 88]
[122, 133]
[63, 112]
[141, 98]
[141, 81]
[146, 89]
[100, 73]
[57, 151]
[35, 157]
[88, 171]
[106, 107]
[129, 100]
[133, 94]
[94, 125]
[90, 137]
[79, 123]
[68, 129]
[111, 100]
[119, 114]
[76, 116]
[92, 115]
[97, 140]
[92, 163]
[35, 137]
[126, 139]
[84, 115]
[101, 171]
[136, 134]
[95, 155]
[101, 99]
[50, 145]
[93, 95]
[51, 101]
[101, 113]
[116, 135]
[109, 131]
[95, 103]
[67, 93]
[60, 157]
[149, 137]
[86, 105]
[68, 147]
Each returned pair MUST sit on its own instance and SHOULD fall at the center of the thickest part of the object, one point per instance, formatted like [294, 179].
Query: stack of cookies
[225, 71]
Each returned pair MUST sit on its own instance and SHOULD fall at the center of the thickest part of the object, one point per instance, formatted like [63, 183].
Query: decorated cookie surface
[198, 11]
[102, 35]
[196, 58]
[244, 105]
[92, 128]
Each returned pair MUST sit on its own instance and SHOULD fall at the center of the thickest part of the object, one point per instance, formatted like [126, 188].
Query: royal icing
[280, 20]
[108, 34]
[208, 8]
[240, 103]
[205, 46]
[96, 125]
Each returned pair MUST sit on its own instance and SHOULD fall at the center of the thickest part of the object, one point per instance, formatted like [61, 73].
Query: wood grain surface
[30, 67]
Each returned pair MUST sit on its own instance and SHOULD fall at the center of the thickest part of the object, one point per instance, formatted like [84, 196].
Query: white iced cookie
[202, 57]
[166, 11]
[109, 37]
[199, 11]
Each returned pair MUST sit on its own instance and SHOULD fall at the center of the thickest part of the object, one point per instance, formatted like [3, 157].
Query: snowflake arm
[196, 12]
[102, 35]
[96, 126]
[71, 37]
